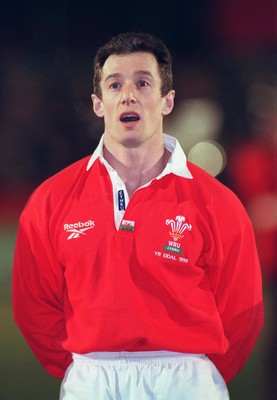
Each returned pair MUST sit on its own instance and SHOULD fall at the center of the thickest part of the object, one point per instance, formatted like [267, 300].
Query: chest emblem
[178, 226]
[172, 249]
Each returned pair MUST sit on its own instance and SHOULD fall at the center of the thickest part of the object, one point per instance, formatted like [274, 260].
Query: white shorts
[154, 375]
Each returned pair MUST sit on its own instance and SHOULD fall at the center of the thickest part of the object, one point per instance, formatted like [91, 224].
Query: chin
[131, 142]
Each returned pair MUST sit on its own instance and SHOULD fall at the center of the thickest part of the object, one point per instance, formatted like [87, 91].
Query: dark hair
[132, 42]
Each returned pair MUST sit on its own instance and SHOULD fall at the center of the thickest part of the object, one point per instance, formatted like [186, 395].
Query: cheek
[109, 111]
[154, 108]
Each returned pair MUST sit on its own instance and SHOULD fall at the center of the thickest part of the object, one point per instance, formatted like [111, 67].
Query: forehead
[133, 63]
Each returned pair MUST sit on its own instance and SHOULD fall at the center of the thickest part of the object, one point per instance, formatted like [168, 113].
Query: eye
[114, 85]
[142, 83]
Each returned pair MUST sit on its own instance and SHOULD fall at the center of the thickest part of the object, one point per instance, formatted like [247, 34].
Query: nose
[128, 96]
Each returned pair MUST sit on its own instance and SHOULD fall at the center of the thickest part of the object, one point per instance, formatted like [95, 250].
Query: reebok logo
[78, 228]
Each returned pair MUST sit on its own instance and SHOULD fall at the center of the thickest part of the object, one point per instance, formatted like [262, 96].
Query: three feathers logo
[178, 226]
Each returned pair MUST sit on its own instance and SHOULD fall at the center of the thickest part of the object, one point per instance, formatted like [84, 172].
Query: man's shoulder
[65, 176]
[218, 198]
[205, 181]
[211, 190]
[59, 184]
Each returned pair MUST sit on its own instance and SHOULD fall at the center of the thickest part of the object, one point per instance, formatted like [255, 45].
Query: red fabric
[136, 290]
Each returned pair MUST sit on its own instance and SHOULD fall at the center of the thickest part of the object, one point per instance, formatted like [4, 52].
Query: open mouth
[129, 117]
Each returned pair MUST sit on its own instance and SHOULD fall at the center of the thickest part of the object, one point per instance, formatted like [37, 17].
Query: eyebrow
[140, 72]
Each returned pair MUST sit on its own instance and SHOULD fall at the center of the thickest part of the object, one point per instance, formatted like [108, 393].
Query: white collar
[177, 163]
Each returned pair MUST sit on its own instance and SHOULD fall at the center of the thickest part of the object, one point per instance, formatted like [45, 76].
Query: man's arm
[38, 289]
[237, 287]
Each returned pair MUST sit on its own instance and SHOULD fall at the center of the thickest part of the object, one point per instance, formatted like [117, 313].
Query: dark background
[224, 51]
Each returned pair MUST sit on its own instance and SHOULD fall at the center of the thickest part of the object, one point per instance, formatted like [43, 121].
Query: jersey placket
[120, 197]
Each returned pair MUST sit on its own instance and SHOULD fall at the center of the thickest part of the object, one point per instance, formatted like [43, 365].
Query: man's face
[131, 104]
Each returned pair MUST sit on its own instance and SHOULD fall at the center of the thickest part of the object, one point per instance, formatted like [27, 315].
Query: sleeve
[37, 294]
[235, 278]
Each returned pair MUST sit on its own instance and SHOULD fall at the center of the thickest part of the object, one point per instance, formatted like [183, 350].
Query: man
[140, 267]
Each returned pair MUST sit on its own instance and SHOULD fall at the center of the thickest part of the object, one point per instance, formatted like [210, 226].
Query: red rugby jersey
[181, 273]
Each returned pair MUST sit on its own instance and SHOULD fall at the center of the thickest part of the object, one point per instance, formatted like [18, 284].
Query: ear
[168, 102]
[97, 106]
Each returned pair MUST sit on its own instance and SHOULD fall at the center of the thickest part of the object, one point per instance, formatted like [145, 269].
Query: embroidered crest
[178, 226]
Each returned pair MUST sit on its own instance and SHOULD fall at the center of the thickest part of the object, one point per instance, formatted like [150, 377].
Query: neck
[137, 166]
